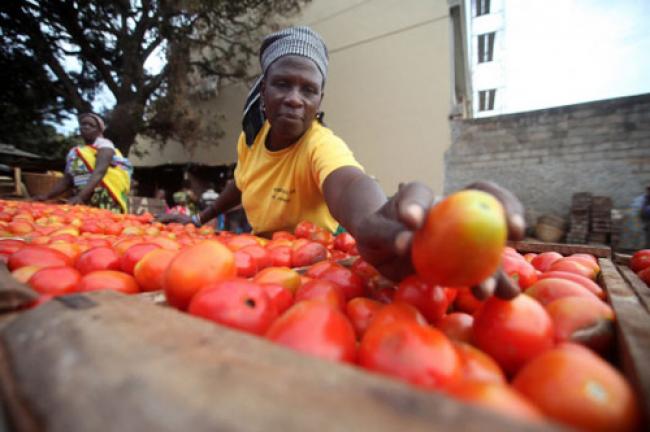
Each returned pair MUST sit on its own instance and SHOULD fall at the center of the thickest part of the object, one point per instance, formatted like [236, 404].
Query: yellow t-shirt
[282, 188]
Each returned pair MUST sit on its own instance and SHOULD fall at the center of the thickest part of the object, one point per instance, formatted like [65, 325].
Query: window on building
[486, 47]
[482, 7]
[486, 99]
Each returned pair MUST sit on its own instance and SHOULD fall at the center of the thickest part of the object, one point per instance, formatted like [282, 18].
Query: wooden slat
[13, 294]
[621, 258]
[638, 286]
[633, 332]
[107, 362]
[564, 249]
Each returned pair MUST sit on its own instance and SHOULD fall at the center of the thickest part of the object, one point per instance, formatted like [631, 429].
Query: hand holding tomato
[174, 218]
[384, 238]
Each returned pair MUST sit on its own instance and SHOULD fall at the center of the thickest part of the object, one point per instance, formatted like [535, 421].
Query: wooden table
[107, 362]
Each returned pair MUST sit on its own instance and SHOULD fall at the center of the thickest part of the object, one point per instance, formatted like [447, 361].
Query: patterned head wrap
[300, 41]
[98, 120]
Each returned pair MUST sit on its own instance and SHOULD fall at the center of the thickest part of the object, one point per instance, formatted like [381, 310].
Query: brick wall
[545, 156]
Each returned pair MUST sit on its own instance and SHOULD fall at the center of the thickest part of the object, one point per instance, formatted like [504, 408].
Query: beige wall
[388, 89]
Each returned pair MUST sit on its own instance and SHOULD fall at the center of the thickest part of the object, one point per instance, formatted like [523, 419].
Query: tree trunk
[124, 124]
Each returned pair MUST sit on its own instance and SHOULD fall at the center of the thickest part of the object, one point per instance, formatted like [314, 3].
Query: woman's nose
[293, 97]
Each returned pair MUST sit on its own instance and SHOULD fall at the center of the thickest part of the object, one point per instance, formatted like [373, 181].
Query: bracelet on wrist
[196, 220]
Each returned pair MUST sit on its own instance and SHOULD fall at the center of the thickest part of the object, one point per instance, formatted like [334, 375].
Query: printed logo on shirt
[281, 194]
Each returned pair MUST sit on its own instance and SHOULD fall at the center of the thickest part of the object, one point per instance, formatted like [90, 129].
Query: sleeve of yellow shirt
[329, 154]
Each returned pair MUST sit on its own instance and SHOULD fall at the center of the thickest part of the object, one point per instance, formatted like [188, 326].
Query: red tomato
[513, 332]
[548, 290]
[639, 261]
[361, 311]
[351, 284]
[519, 270]
[420, 355]
[280, 256]
[260, 255]
[288, 278]
[315, 328]
[134, 254]
[149, 272]
[498, 397]
[236, 303]
[238, 241]
[245, 264]
[308, 254]
[317, 269]
[587, 321]
[457, 326]
[278, 235]
[198, 265]
[363, 269]
[429, 299]
[466, 302]
[323, 290]
[574, 277]
[41, 256]
[9, 246]
[461, 240]
[98, 258]
[573, 266]
[574, 386]
[322, 236]
[280, 296]
[543, 261]
[477, 365]
[305, 229]
[345, 242]
[644, 275]
[55, 280]
[108, 280]
[397, 311]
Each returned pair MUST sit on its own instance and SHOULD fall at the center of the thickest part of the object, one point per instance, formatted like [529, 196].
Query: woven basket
[38, 183]
[550, 228]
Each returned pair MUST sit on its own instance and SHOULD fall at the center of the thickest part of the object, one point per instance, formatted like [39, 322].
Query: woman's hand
[173, 218]
[384, 237]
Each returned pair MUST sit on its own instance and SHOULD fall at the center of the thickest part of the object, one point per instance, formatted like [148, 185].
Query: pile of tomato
[640, 264]
[538, 357]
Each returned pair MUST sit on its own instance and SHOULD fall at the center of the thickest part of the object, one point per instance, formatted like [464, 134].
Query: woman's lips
[290, 116]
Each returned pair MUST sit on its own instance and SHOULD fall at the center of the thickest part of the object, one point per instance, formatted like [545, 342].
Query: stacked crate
[601, 219]
[579, 218]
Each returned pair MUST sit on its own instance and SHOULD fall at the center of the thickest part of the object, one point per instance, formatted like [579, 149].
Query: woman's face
[292, 91]
[89, 129]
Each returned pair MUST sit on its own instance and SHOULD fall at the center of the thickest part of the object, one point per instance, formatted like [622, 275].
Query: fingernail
[416, 213]
[489, 285]
[518, 222]
[402, 242]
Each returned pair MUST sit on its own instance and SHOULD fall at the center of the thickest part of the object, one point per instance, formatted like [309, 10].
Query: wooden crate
[104, 361]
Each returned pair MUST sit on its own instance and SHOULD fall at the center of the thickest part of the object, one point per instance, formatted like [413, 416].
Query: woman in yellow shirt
[290, 167]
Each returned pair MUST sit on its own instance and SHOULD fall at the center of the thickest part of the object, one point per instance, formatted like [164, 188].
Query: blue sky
[569, 51]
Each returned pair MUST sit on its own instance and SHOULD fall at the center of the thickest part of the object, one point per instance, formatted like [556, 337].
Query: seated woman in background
[96, 171]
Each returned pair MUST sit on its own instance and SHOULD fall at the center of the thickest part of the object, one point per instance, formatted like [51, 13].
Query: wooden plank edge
[563, 248]
[17, 416]
[632, 332]
[638, 286]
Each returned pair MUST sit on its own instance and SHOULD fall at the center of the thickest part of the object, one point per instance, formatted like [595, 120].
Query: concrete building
[388, 95]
